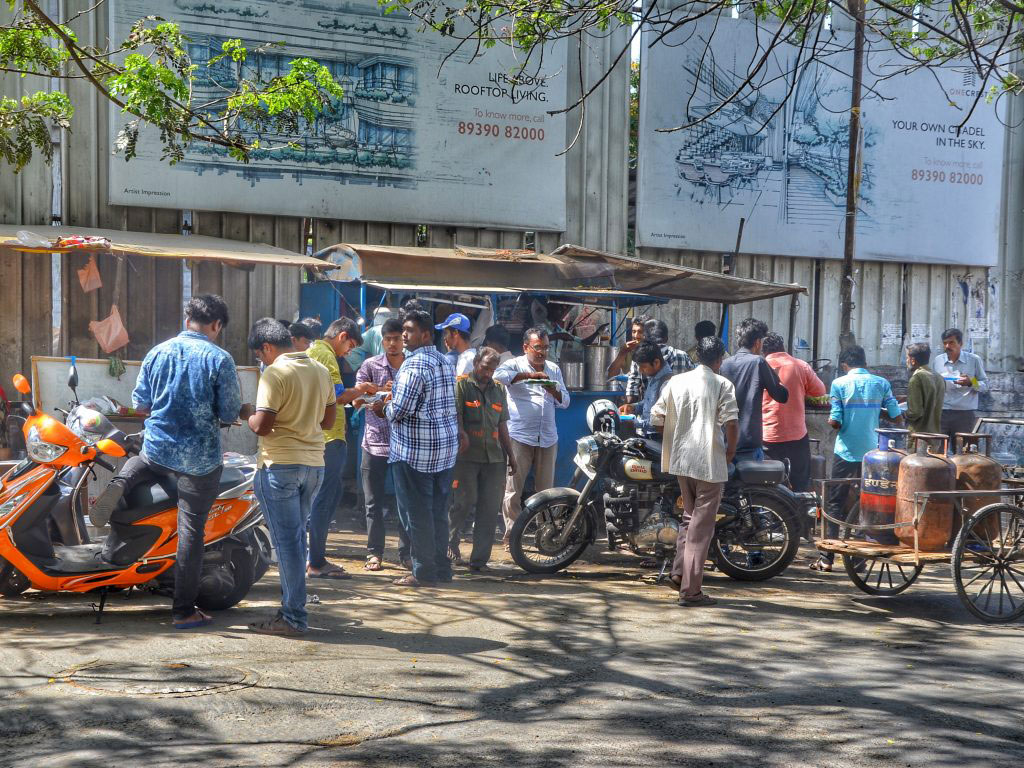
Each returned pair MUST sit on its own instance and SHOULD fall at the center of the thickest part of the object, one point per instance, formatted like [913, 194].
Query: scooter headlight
[587, 449]
[41, 451]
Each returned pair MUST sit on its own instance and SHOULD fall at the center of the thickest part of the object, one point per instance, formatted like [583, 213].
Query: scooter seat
[149, 498]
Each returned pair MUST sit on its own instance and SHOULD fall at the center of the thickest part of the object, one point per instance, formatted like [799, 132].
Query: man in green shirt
[485, 456]
[925, 392]
[342, 337]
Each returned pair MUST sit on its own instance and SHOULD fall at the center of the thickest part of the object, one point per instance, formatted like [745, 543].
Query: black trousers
[196, 494]
[374, 472]
[838, 496]
[957, 421]
[799, 454]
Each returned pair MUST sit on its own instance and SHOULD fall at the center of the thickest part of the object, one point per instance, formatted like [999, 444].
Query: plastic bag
[110, 332]
[32, 240]
[89, 276]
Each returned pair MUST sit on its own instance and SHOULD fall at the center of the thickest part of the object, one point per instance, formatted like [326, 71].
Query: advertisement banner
[416, 138]
[776, 155]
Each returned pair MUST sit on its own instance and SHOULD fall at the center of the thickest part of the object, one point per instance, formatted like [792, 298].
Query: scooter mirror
[73, 376]
[21, 384]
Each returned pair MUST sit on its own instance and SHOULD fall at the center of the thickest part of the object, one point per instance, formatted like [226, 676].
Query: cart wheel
[988, 563]
[877, 577]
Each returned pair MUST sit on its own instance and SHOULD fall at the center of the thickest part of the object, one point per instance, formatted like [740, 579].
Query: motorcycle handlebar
[105, 464]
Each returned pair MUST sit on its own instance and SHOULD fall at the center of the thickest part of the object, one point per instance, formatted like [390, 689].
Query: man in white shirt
[965, 378]
[455, 332]
[693, 411]
[531, 425]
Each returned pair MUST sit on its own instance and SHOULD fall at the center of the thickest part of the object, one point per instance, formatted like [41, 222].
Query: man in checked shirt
[677, 360]
[424, 446]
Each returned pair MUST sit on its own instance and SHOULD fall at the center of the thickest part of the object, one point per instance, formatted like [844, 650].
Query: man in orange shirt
[785, 424]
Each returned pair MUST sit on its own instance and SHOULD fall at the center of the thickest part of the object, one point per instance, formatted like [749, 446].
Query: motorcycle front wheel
[760, 543]
[533, 538]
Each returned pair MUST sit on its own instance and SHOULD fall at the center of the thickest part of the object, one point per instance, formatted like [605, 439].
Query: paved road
[590, 668]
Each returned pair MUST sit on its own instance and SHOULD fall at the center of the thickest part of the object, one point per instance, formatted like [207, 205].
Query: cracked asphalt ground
[589, 668]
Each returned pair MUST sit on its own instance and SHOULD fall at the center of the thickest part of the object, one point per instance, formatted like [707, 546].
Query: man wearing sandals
[295, 402]
[424, 446]
[698, 414]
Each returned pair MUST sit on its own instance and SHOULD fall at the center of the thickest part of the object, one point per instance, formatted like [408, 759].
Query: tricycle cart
[986, 557]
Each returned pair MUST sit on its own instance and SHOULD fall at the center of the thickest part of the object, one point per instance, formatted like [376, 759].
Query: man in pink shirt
[785, 424]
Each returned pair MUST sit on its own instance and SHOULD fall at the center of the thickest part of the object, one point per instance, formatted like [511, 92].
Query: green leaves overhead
[152, 78]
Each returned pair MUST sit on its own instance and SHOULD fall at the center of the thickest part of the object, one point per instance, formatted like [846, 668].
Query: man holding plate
[535, 391]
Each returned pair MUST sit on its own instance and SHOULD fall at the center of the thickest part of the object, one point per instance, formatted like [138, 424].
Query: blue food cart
[582, 288]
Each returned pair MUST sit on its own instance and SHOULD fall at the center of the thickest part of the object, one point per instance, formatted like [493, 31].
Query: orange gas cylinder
[925, 470]
[976, 472]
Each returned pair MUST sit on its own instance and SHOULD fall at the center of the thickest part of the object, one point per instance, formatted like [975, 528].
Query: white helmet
[603, 416]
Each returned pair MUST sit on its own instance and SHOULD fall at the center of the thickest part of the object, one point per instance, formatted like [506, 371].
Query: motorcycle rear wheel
[744, 558]
[531, 540]
[225, 585]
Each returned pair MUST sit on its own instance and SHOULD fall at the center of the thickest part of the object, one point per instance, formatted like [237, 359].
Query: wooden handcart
[986, 556]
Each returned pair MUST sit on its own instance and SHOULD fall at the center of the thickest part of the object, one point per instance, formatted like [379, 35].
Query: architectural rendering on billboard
[927, 194]
[412, 140]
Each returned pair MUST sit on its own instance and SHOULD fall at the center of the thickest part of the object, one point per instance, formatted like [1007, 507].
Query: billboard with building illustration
[776, 156]
[416, 138]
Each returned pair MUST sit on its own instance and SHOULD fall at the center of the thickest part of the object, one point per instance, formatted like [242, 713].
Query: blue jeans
[423, 511]
[326, 502]
[285, 492]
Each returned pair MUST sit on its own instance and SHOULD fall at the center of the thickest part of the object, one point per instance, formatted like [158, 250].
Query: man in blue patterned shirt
[424, 446]
[189, 386]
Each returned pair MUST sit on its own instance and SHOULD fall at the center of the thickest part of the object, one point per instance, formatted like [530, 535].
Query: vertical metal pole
[853, 173]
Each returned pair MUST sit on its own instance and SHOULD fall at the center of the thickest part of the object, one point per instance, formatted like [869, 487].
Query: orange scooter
[39, 495]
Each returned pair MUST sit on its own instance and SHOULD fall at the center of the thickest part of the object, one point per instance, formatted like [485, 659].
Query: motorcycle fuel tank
[636, 469]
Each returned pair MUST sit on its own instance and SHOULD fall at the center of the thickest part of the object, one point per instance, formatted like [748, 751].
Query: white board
[927, 195]
[50, 388]
[411, 141]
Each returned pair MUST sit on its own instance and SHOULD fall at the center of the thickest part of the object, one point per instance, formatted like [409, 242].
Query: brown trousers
[542, 462]
[700, 505]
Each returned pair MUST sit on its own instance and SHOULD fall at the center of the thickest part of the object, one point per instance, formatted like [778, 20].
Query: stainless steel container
[597, 359]
[573, 374]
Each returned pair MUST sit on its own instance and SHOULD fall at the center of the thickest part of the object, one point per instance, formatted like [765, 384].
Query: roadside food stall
[590, 294]
[130, 310]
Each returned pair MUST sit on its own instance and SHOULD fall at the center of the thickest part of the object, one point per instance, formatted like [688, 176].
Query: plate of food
[542, 382]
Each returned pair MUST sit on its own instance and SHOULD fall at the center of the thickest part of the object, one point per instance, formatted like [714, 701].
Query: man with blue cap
[456, 334]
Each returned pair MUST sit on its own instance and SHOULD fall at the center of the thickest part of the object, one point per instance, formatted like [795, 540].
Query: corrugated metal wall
[149, 290]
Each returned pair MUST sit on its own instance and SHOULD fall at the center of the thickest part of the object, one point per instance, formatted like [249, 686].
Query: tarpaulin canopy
[190, 247]
[568, 268]
[672, 281]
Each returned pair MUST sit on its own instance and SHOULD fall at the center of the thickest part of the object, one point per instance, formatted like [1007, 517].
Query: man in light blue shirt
[858, 399]
[965, 378]
[531, 425]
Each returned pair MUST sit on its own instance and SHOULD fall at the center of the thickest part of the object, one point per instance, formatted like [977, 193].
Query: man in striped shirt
[424, 446]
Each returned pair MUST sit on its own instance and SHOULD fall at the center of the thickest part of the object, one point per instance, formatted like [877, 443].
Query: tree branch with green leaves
[151, 78]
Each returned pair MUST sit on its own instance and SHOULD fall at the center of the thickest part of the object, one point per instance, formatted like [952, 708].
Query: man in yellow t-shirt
[341, 337]
[295, 402]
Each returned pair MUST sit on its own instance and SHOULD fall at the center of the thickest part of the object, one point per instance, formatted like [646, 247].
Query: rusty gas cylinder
[879, 474]
[925, 471]
[976, 472]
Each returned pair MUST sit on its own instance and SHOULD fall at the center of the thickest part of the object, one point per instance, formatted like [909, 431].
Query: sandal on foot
[329, 571]
[698, 600]
[409, 581]
[373, 563]
[824, 566]
[196, 620]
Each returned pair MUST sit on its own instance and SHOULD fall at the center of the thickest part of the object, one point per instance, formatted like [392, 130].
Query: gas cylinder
[976, 472]
[926, 470]
[879, 474]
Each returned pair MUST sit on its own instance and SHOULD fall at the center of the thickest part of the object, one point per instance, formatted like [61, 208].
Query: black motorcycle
[757, 529]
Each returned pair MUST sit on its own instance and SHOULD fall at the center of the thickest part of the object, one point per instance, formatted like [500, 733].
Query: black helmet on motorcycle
[603, 416]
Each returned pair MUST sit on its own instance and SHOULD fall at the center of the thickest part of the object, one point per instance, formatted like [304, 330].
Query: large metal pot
[597, 359]
[925, 470]
[976, 472]
[573, 374]
[879, 476]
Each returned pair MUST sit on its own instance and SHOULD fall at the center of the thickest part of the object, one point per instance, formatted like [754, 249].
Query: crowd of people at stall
[477, 423]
